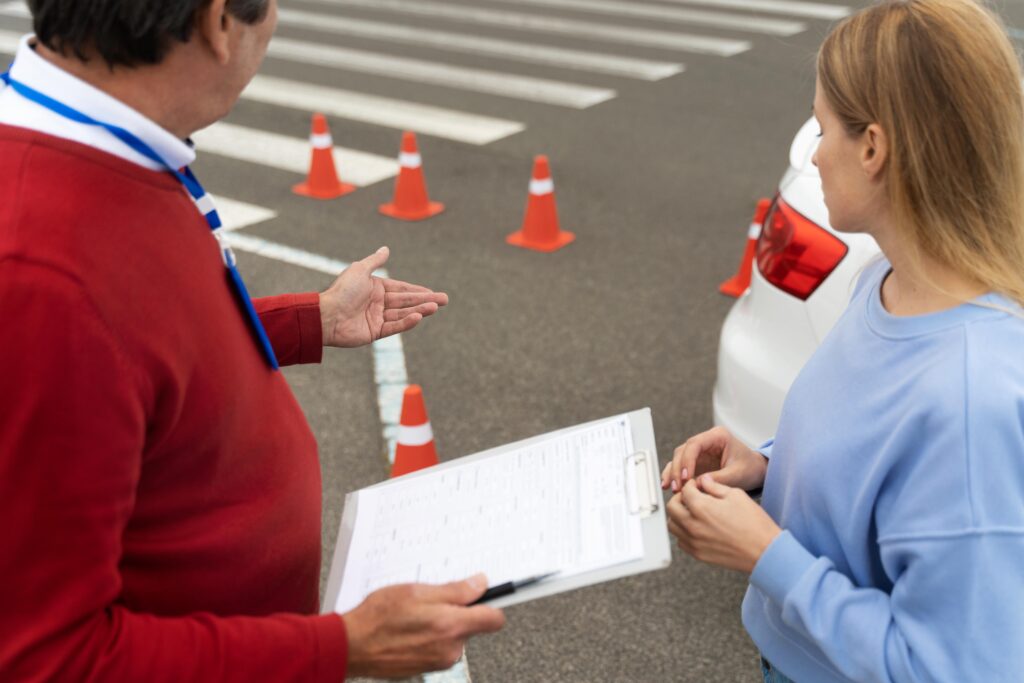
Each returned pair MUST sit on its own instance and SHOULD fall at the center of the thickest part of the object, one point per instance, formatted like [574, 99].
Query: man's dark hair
[125, 32]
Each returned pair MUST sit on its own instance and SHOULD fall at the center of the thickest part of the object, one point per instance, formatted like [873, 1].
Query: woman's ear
[213, 26]
[874, 151]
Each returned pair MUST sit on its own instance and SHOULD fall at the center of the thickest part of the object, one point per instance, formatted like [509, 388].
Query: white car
[803, 275]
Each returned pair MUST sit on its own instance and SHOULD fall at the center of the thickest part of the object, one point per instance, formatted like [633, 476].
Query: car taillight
[794, 253]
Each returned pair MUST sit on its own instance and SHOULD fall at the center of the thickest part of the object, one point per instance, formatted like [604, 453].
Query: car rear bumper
[767, 337]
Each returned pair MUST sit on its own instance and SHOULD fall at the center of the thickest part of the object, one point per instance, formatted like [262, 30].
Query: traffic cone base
[519, 239]
[414, 460]
[306, 190]
[410, 201]
[540, 230]
[414, 448]
[322, 181]
[431, 209]
[740, 282]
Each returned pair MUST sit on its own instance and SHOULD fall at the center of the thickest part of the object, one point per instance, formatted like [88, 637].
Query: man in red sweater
[159, 484]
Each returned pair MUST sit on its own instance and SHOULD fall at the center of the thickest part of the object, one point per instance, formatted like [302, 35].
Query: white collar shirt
[33, 70]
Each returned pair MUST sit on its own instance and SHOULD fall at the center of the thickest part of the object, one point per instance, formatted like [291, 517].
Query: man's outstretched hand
[404, 630]
[360, 308]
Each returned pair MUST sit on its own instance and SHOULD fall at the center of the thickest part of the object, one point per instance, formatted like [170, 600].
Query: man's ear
[213, 27]
[874, 151]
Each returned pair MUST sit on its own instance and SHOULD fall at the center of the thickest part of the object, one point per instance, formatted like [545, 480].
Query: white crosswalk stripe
[15, 9]
[285, 254]
[288, 153]
[235, 215]
[477, 80]
[629, 67]
[721, 47]
[381, 111]
[735, 22]
[809, 10]
[9, 42]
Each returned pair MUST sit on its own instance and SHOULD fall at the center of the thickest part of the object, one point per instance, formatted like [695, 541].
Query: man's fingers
[480, 619]
[408, 299]
[399, 326]
[391, 285]
[376, 259]
[394, 314]
[456, 592]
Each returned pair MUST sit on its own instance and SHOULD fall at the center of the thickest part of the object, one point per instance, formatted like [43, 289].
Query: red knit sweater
[159, 485]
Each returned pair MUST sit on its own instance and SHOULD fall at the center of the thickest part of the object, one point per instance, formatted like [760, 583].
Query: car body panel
[768, 334]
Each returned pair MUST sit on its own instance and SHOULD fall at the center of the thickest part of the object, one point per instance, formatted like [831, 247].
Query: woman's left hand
[720, 524]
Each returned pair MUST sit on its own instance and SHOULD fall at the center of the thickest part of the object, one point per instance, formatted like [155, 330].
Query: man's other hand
[360, 308]
[404, 630]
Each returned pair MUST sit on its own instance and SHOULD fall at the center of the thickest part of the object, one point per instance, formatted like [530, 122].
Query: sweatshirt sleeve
[953, 613]
[72, 430]
[293, 325]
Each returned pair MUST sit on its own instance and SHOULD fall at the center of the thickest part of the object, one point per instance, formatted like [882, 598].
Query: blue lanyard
[186, 177]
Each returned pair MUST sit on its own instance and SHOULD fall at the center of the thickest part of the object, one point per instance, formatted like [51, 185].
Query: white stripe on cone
[410, 160]
[542, 186]
[321, 140]
[420, 435]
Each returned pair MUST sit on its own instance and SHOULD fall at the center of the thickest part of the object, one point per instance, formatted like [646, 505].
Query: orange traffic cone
[415, 449]
[540, 226]
[322, 181]
[411, 202]
[740, 282]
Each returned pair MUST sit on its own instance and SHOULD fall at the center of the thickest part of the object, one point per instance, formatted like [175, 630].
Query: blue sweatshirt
[897, 474]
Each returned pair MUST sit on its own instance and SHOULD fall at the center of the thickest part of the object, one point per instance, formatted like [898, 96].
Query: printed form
[560, 504]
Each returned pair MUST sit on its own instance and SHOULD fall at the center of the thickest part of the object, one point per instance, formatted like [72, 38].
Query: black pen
[509, 587]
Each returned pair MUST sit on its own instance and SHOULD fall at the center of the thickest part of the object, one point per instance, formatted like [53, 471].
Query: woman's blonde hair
[942, 80]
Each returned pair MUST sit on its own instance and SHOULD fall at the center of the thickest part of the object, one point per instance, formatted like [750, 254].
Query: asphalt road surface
[658, 182]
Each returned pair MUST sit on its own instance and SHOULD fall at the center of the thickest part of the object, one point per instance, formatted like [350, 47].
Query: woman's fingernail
[675, 486]
[684, 474]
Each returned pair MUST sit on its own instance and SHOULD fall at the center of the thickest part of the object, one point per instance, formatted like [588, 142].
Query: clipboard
[642, 491]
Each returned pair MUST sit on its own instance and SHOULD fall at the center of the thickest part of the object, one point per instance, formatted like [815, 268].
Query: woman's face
[849, 192]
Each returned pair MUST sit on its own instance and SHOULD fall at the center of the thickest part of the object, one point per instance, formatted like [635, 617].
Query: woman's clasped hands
[711, 515]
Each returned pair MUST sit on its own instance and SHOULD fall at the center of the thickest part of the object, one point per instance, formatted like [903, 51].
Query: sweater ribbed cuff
[332, 648]
[781, 566]
[311, 330]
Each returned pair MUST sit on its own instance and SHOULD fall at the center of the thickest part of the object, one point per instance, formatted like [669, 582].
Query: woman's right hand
[737, 465]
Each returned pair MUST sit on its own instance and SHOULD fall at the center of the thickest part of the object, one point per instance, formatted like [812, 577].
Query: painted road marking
[721, 47]
[381, 111]
[235, 215]
[776, 27]
[289, 154]
[628, 67]
[15, 9]
[447, 75]
[285, 254]
[810, 10]
[9, 42]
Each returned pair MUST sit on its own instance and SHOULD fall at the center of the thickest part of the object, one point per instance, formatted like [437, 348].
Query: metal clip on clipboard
[641, 491]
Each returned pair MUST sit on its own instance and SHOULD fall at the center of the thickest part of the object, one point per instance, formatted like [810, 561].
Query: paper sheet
[559, 504]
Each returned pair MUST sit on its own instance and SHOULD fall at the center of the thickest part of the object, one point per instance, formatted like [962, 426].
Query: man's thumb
[461, 592]
[377, 259]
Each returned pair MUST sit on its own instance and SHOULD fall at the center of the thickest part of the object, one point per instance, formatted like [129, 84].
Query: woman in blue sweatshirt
[890, 541]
